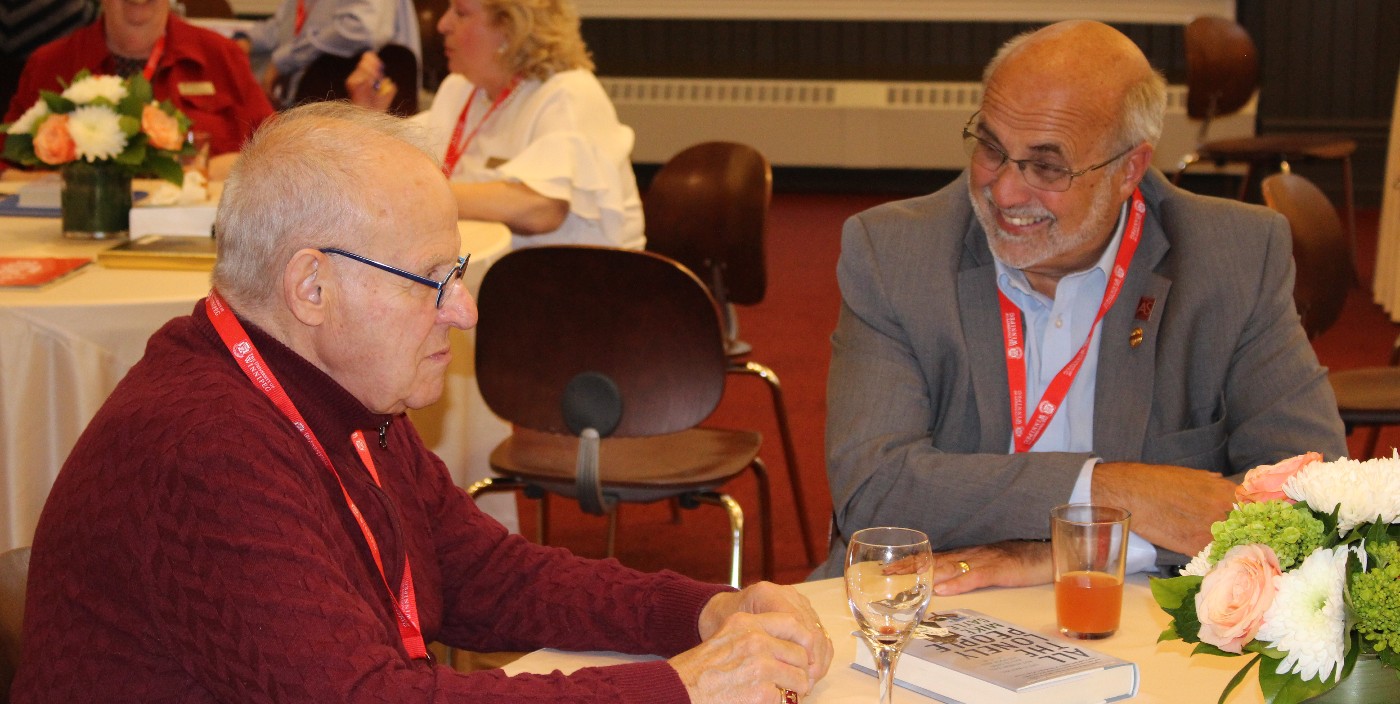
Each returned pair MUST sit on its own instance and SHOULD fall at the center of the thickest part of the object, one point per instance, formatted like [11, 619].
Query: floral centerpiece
[1304, 573]
[100, 131]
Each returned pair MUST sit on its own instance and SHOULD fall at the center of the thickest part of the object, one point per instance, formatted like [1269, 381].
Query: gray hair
[1144, 102]
[300, 182]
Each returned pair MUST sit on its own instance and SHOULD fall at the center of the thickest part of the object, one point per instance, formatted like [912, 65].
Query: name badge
[195, 88]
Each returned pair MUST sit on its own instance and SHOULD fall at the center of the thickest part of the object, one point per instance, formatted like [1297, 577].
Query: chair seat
[1368, 396]
[1272, 146]
[659, 465]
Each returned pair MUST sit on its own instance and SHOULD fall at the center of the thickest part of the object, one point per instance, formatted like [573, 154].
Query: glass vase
[96, 201]
[1369, 682]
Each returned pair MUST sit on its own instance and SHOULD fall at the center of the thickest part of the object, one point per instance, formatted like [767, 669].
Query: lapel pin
[1135, 338]
[1144, 308]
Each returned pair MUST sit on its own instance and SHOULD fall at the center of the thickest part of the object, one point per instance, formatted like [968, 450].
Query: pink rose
[1235, 595]
[52, 143]
[1265, 482]
[162, 129]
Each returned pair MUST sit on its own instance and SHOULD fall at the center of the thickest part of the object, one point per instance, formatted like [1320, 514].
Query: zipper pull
[383, 430]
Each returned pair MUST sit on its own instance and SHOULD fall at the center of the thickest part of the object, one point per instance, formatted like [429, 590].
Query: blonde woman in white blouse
[527, 134]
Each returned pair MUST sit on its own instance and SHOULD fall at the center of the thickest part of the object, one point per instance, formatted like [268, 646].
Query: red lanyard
[457, 147]
[301, 16]
[250, 361]
[150, 70]
[1026, 433]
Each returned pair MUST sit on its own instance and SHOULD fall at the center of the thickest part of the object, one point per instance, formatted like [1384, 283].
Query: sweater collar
[331, 410]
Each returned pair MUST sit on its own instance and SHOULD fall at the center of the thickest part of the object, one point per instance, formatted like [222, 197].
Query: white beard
[1025, 251]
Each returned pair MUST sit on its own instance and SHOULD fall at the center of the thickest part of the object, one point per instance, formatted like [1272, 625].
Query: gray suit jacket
[918, 419]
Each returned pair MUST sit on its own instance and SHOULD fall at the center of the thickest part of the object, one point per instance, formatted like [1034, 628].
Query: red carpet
[790, 333]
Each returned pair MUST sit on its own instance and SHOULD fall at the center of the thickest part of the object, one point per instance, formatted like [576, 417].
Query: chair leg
[612, 531]
[1350, 196]
[789, 451]
[1373, 438]
[765, 517]
[736, 532]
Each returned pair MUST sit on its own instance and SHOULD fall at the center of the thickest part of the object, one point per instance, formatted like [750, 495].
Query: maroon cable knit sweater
[193, 549]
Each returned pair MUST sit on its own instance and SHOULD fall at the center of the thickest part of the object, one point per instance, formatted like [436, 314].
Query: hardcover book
[161, 252]
[968, 657]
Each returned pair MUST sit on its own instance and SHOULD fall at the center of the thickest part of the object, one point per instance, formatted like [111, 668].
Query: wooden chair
[1367, 397]
[605, 361]
[707, 208]
[324, 78]
[1222, 74]
[219, 9]
[14, 573]
[434, 59]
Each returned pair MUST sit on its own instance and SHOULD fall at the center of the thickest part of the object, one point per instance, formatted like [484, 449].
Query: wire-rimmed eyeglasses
[1037, 174]
[440, 286]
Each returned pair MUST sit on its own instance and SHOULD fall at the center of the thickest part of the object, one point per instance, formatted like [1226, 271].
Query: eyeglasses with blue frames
[1037, 174]
[440, 286]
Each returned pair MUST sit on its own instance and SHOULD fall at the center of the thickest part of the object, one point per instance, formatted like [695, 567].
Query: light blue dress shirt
[1054, 331]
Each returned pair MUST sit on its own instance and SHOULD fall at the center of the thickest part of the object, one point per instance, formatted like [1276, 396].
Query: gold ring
[963, 567]
[789, 696]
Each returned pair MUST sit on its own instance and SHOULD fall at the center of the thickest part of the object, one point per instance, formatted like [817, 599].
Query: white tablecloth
[1168, 673]
[64, 347]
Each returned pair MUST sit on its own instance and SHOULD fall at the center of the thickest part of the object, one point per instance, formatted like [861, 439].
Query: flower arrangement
[1304, 573]
[101, 119]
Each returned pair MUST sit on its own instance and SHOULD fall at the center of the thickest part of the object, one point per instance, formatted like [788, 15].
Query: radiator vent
[855, 124]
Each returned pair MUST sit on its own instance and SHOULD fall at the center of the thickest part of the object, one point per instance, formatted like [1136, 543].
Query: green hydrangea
[1292, 532]
[1375, 598]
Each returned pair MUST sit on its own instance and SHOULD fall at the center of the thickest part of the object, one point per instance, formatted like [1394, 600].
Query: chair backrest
[434, 59]
[324, 78]
[14, 573]
[549, 314]
[208, 8]
[1321, 251]
[706, 209]
[1222, 68]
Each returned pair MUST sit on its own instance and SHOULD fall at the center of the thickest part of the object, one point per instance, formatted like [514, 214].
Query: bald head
[1086, 68]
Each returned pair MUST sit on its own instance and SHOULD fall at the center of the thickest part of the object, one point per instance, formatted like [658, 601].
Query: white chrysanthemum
[25, 123]
[94, 87]
[1364, 490]
[1307, 620]
[1200, 564]
[97, 133]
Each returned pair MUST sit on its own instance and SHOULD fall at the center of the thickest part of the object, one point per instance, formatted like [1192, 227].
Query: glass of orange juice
[1089, 543]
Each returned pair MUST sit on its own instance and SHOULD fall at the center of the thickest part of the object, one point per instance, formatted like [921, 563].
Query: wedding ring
[963, 567]
[789, 696]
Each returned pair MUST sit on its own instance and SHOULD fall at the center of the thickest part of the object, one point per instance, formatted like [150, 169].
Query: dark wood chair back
[549, 314]
[434, 60]
[14, 574]
[1321, 250]
[706, 208]
[324, 78]
[1222, 68]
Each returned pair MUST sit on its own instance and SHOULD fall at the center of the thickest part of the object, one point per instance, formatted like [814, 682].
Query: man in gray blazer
[1198, 370]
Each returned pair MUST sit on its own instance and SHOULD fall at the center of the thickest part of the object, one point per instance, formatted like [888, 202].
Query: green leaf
[1391, 659]
[1289, 688]
[1237, 679]
[1208, 649]
[166, 168]
[1177, 597]
[1169, 633]
[139, 89]
[133, 155]
[57, 103]
[19, 148]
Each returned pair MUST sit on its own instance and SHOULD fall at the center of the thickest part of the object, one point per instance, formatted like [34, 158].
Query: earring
[501, 50]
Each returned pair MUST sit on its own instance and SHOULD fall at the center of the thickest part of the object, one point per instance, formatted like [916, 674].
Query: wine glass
[889, 580]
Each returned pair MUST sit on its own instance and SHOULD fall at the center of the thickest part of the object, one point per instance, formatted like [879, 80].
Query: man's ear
[306, 283]
[1135, 166]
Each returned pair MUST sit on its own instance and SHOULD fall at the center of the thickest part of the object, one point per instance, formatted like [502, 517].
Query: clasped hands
[755, 644]
[368, 86]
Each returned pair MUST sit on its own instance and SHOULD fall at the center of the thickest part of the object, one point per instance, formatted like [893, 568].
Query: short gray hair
[1144, 102]
[299, 183]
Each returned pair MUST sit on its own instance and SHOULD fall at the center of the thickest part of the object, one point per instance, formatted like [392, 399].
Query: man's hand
[272, 85]
[757, 642]
[1011, 563]
[1172, 507]
[368, 86]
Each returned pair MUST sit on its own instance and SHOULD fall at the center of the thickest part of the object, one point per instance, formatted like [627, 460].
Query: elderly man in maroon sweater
[251, 518]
